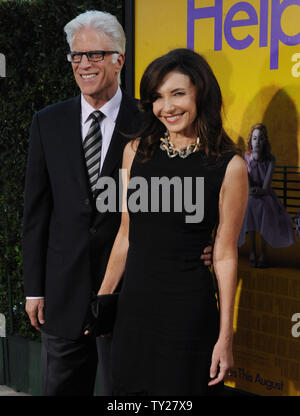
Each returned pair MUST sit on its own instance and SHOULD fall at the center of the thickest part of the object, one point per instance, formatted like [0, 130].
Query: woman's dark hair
[266, 152]
[208, 123]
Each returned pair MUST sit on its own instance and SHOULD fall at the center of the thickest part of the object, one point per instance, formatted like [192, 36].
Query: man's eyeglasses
[92, 56]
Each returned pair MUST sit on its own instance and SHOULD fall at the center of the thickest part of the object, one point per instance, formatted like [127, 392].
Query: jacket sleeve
[37, 212]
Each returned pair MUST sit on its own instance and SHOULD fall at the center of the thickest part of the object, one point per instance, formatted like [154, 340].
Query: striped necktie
[92, 148]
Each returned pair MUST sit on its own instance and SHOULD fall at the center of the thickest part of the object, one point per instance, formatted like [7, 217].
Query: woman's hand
[222, 359]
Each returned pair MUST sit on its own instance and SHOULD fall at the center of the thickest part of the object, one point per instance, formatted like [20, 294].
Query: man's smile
[88, 76]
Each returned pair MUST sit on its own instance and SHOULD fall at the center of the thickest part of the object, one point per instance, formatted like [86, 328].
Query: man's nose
[84, 62]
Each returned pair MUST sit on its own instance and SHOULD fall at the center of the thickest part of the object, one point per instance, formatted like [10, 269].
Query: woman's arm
[232, 206]
[116, 264]
[269, 175]
[264, 190]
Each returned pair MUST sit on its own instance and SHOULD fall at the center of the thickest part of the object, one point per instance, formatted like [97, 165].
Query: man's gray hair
[101, 21]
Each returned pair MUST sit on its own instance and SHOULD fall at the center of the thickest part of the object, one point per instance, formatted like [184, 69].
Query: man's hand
[35, 311]
[207, 256]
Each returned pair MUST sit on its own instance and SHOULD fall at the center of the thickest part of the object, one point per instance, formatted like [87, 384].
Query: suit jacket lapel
[73, 143]
[127, 112]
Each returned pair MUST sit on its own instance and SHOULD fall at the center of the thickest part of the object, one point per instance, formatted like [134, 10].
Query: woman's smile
[173, 118]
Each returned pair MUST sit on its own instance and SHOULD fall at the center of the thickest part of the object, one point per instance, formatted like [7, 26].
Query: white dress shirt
[107, 124]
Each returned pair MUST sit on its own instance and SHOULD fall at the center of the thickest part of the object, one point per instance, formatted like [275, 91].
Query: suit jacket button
[93, 230]
[87, 201]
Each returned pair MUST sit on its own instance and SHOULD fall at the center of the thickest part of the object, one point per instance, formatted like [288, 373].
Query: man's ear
[120, 62]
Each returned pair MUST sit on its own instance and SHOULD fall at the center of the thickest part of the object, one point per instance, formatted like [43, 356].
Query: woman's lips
[173, 119]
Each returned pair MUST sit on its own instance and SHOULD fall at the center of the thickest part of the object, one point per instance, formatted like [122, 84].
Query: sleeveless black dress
[168, 321]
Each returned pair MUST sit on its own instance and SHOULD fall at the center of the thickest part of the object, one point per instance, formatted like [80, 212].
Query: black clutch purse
[102, 314]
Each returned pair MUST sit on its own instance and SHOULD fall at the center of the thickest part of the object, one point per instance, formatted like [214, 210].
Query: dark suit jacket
[66, 241]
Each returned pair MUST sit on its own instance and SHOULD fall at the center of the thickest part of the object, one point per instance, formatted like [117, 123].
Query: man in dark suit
[66, 241]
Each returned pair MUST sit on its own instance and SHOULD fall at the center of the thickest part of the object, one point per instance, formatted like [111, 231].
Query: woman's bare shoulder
[237, 166]
[131, 147]
[237, 162]
[236, 174]
[129, 152]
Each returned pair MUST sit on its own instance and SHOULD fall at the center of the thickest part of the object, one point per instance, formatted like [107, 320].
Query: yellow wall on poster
[254, 50]
[252, 91]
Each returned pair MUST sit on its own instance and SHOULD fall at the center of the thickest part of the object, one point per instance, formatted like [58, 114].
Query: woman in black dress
[185, 179]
